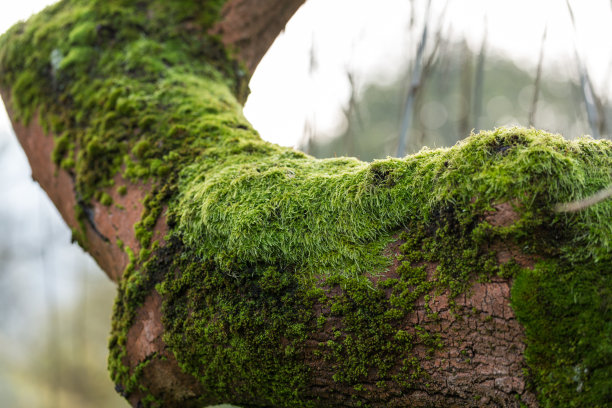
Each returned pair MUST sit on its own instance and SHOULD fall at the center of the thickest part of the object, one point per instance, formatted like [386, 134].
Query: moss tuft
[83, 34]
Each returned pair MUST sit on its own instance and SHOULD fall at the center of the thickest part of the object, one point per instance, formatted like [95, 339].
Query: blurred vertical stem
[478, 83]
[54, 365]
[415, 84]
[595, 120]
[465, 103]
[428, 67]
[538, 78]
[352, 111]
[310, 123]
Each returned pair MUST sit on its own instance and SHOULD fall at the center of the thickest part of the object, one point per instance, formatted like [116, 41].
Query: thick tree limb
[254, 274]
[251, 26]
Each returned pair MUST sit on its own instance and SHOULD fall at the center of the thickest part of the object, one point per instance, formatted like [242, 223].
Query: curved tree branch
[251, 26]
[257, 275]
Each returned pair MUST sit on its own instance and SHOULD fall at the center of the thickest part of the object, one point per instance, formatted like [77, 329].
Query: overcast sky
[372, 39]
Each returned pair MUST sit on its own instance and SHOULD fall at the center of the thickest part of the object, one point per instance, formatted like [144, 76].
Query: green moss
[83, 34]
[268, 245]
[567, 316]
[25, 95]
[141, 148]
[333, 214]
[78, 57]
[67, 163]
[105, 199]
[89, 66]
[235, 324]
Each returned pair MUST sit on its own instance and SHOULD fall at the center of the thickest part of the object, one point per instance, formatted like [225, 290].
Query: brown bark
[251, 26]
[480, 364]
[103, 225]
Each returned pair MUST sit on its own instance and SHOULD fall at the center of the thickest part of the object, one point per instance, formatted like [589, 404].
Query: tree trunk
[257, 275]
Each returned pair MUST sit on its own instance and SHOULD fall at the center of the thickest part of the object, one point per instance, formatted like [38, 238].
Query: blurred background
[346, 77]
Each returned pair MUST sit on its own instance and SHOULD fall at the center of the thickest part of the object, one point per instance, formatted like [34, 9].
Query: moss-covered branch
[264, 277]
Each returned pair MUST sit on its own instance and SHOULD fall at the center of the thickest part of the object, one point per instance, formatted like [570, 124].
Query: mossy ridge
[271, 205]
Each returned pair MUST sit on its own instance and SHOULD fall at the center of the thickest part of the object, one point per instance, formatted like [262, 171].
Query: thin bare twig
[601, 110]
[415, 84]
[585, 202]
[585, 83]
[538, 78]
[478, 91]
[54, 370]
[308, 133]
[352, 111]
[465, 103]
[606, 80]
[437, 49]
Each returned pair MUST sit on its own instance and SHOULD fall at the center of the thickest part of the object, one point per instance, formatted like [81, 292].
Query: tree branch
[257, 275]
[251, 26]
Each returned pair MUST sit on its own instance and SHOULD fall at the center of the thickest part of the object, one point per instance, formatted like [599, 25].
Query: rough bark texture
[103, 226]
[481, 363]
[254, 274]
[251, 26]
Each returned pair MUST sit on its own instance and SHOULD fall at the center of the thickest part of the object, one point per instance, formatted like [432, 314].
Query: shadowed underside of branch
[257, 275]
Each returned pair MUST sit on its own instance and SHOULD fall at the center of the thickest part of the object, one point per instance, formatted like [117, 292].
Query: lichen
[267, 246]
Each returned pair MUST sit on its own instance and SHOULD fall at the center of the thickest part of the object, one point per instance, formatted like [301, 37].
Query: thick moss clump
[267, 245]
[567, 315]
[278, 206]
[293, 212]
[241, 335]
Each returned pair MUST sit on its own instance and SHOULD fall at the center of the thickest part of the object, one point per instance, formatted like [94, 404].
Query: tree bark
[251, 26]
[259, 276]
